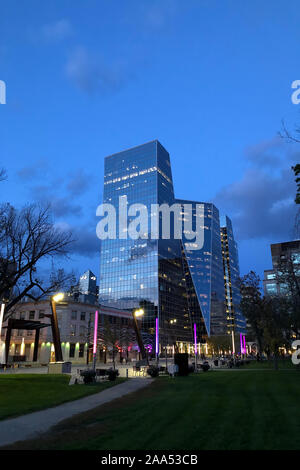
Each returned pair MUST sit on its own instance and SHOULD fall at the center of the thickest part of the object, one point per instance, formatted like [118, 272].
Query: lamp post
[54, 325]
[95, 339]
[195, 345]
[137, 313]
[1, 323]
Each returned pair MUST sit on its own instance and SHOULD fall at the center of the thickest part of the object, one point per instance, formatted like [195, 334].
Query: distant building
[282, 254]
[86, 291]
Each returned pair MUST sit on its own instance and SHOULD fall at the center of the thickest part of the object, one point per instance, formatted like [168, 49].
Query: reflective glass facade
[179, 286]
[235, 320]
[206, 269]
[144, 272]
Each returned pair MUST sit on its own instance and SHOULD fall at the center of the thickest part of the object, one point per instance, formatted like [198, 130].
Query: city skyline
[86, 93]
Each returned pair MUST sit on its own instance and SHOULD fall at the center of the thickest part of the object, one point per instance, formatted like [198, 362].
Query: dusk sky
[211, 80]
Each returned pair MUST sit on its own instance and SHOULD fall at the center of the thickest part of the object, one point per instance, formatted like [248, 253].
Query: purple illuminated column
[241, 341]
[156, 337]
[245, 349]
[195, 338]
[95, 338]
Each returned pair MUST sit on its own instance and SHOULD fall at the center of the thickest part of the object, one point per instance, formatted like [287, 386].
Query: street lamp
[58, 297]
[137, 313]
[54, 325]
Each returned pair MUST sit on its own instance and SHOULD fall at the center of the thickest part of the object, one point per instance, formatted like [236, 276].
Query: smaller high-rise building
[285, 256]
[86, 290]
[235, 320]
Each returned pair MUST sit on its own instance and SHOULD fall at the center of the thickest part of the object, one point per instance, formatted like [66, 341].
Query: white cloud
[57, 30]
[261, 204]
[91, 73]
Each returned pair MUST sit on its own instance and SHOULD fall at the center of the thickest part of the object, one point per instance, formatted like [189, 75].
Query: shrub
[205, 367]
[112, 374]
[153, 371]
[89, 376]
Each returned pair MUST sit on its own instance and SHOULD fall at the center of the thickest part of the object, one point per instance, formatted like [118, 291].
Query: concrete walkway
[29, 426]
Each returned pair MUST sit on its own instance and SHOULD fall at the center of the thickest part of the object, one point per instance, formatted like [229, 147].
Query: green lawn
[24, 393]
[282, 364]
[215, 410]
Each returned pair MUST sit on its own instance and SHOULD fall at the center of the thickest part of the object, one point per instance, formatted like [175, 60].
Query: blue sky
[210, 79]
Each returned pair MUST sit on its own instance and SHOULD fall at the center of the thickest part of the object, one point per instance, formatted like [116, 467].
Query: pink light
[156, 336]
[95, 332]
[245, 349]
[241, 341]
[195, 337]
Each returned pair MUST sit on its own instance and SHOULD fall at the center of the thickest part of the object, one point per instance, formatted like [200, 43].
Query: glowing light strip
[241, 341]
[95, 332]
[245, 349]
[195, 337]
[1, 323]
[156, 336]
[1, 318]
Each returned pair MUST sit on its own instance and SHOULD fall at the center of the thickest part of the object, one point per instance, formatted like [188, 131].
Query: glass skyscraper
[180, 289]
[235, 320]
[206, 270]
[144, 272]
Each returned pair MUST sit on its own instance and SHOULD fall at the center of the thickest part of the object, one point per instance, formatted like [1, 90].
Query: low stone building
[76, 326]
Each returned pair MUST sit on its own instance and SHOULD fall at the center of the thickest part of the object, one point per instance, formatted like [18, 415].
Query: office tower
[179, 283]
[206, 270]
[146, 272]
[86, 290]
[87, 286]
[235, 320]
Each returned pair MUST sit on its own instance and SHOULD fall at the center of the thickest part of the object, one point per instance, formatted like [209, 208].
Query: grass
[282, 364]
[25, 393]
[215, 410]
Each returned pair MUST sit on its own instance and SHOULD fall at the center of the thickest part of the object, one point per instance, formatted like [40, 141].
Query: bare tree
[27, 237]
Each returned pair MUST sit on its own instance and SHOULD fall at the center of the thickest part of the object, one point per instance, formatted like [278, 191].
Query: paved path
[31, 425]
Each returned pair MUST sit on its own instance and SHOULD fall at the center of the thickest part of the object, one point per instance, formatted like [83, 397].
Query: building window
[81, 350]
[41, 313]
[81, 330]
[72, 330]
[22, 316]
[82, 316]
[74, 315]
[72, 350]
[31, 315]
[29, 332]
[271, 288]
